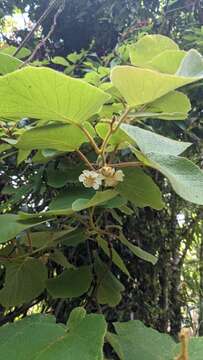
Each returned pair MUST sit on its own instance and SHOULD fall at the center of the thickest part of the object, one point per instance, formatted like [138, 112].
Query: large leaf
[24, 281]
[8, 63]
[11, 226]
[191, 65]
[140, 189]
[59, 137]
[167, 61]
[148, 47]
[139, 342]
[71, 283]
[135, 341]
[173, 106]
[142, 86]
[46, 94]
[149, 141]
[185, 177]
[109, 288]
[38, 337]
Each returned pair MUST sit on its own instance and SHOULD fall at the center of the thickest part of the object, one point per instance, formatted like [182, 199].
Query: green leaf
[109, 287]
[167, 61]
[39, 337]
[118, 261]
[56, 178]
[58, 137]
[148, 47]
[119, 139]
[71, 283]
[8, 63]
[173, 106]
[140, 342]
[24, 281]
[58, 60]
[10, 50]
[191, 65]
[11, 226]
[59, 258]
[99, 198]
[62, 204]
[136, 250]
[113, 340]
[135, 341]
[195, 348]
[75, 238]
[185, 177]
[43, 93]
[22, 156]
[140, 189]
[76, 316]
[149, 141]
[142, 86]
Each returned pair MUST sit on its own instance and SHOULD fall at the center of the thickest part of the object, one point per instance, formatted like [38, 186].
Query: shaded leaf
[24, 281]
[11, 226]
[118, 261]
[109, 287]
[100, 197]
[71, 283]
[39, 337]
[136, 250]
[140, 189]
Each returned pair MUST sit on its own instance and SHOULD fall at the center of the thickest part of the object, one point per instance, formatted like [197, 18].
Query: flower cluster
[94, 179]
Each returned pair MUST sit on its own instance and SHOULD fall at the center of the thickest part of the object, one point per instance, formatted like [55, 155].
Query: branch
[36, 26]
[43, 41]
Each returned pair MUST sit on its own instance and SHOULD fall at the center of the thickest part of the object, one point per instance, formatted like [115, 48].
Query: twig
[124, 164]
[35, 27]
[83, 157]
[43, 41]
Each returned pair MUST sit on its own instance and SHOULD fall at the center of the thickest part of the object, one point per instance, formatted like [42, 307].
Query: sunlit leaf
[167, 62]
[149, 141]
[8, 63]
[142, 86]
[148, 47]
[60, 137]
[43, 93]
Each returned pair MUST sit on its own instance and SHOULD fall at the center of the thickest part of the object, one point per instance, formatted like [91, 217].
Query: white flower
[111, 176]
[91, 179]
